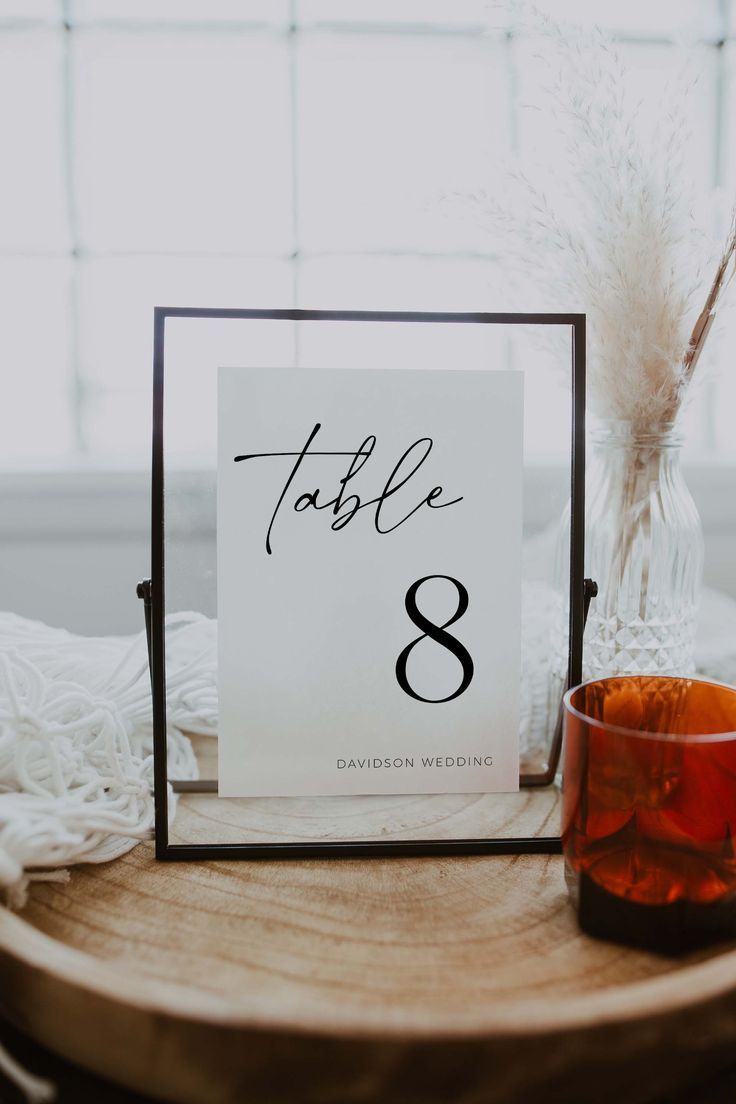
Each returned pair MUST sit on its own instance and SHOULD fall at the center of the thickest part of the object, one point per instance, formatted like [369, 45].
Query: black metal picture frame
[152, 591]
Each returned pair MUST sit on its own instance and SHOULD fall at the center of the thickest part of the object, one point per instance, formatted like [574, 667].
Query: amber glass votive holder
[649, 810]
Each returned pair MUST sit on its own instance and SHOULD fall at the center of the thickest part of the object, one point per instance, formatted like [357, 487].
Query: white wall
[74, 545]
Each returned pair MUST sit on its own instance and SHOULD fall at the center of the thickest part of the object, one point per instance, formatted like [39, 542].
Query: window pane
[183, 142]
[630, 17]
[117, 298]
[181, 11]
[30, 10]
[723, 373]
[387, 126]
[699, 17]
[653, 73]
[659, 84]
[452, 13]
[445, 285]
[401, 283]
[728, 125]
[35, 412]
[32, 192]
[722, 380]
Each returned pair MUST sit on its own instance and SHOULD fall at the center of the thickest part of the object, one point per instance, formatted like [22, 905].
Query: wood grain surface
[212, 819]
[422, 980]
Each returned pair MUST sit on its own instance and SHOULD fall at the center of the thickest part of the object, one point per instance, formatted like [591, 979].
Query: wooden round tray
[420, 980]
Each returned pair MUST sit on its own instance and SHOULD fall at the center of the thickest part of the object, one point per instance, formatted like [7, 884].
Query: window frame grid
[79, 388]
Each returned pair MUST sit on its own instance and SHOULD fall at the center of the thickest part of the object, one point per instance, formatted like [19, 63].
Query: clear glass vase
[644, 548]
[643, 545]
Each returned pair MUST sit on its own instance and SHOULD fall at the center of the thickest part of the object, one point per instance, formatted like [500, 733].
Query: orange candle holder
[649, 810]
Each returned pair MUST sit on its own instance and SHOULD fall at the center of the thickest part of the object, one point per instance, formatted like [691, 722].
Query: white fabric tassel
[76, 763]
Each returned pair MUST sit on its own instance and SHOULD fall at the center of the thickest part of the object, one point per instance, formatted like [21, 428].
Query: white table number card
[369, 581]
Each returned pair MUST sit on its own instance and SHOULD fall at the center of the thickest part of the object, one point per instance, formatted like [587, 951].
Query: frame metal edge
[344, 848]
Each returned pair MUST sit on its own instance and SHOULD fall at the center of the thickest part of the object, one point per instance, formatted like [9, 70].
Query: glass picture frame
[190, 343]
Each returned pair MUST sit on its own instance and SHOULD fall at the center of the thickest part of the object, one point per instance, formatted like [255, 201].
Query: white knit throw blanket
[76, 765]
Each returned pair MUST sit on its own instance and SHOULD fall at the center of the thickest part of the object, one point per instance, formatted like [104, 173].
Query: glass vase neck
[616, 433]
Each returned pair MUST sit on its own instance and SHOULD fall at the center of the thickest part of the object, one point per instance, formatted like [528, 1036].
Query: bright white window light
[275, 153]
